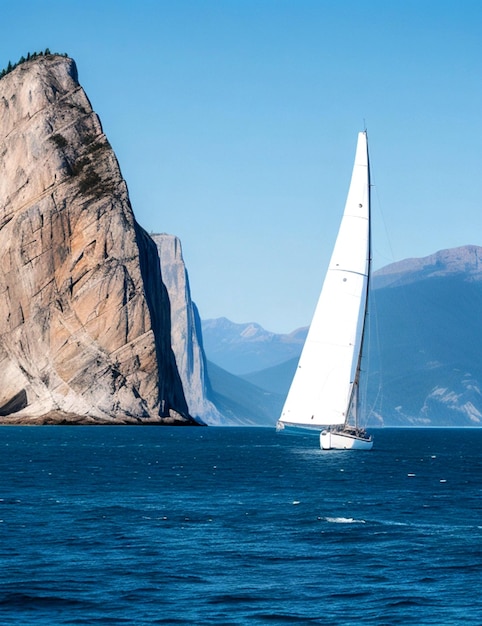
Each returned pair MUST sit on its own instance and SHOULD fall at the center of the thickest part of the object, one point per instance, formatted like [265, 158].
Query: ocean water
[146, 525]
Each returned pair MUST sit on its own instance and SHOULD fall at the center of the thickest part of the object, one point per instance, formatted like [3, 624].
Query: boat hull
[340, 440]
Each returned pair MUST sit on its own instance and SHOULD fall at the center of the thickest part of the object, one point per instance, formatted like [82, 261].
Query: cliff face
[84, 316]
[186, 331]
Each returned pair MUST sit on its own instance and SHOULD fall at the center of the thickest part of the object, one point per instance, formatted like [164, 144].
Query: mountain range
[423, 365]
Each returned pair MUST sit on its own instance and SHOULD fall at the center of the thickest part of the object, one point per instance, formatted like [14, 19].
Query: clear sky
[235, 124]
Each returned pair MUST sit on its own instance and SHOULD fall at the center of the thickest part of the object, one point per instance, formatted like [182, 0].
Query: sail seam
[340, 269]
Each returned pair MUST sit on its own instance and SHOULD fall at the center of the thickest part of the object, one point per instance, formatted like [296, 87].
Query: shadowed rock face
[84, 316]
[186, 334]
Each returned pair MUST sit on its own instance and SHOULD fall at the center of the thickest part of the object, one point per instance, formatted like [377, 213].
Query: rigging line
[373, 315]
[408, 310]
[377, 205]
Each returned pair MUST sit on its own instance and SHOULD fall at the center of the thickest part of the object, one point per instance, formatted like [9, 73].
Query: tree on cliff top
[11, 66]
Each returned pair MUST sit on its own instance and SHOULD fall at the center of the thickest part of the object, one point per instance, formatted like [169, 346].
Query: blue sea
[145, 525]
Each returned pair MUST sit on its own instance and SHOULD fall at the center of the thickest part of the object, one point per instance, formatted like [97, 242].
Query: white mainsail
[322, 387]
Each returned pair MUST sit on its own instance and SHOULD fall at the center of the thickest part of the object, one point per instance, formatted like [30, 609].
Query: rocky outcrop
[85, 319]
[186, 336]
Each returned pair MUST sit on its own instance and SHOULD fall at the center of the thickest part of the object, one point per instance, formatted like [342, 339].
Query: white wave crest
[344, 520]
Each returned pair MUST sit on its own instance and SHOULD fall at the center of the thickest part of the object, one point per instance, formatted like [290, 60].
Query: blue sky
[235, 123]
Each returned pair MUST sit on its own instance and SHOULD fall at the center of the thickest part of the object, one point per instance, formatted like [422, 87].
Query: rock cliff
[84, 315]
[186, 334]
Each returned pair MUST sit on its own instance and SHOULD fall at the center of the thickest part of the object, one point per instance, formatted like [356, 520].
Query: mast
[353, 403]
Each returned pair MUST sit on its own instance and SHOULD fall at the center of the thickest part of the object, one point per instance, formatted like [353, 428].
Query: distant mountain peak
[462, 260]
[235, 331]
[244, 348]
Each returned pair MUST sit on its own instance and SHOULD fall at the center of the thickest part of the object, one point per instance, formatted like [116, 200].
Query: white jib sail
[320, 392]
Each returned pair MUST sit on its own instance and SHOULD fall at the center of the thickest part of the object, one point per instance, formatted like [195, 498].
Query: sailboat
[325, 392]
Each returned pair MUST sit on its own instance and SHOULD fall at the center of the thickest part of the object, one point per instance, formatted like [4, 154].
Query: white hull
[343, 441]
